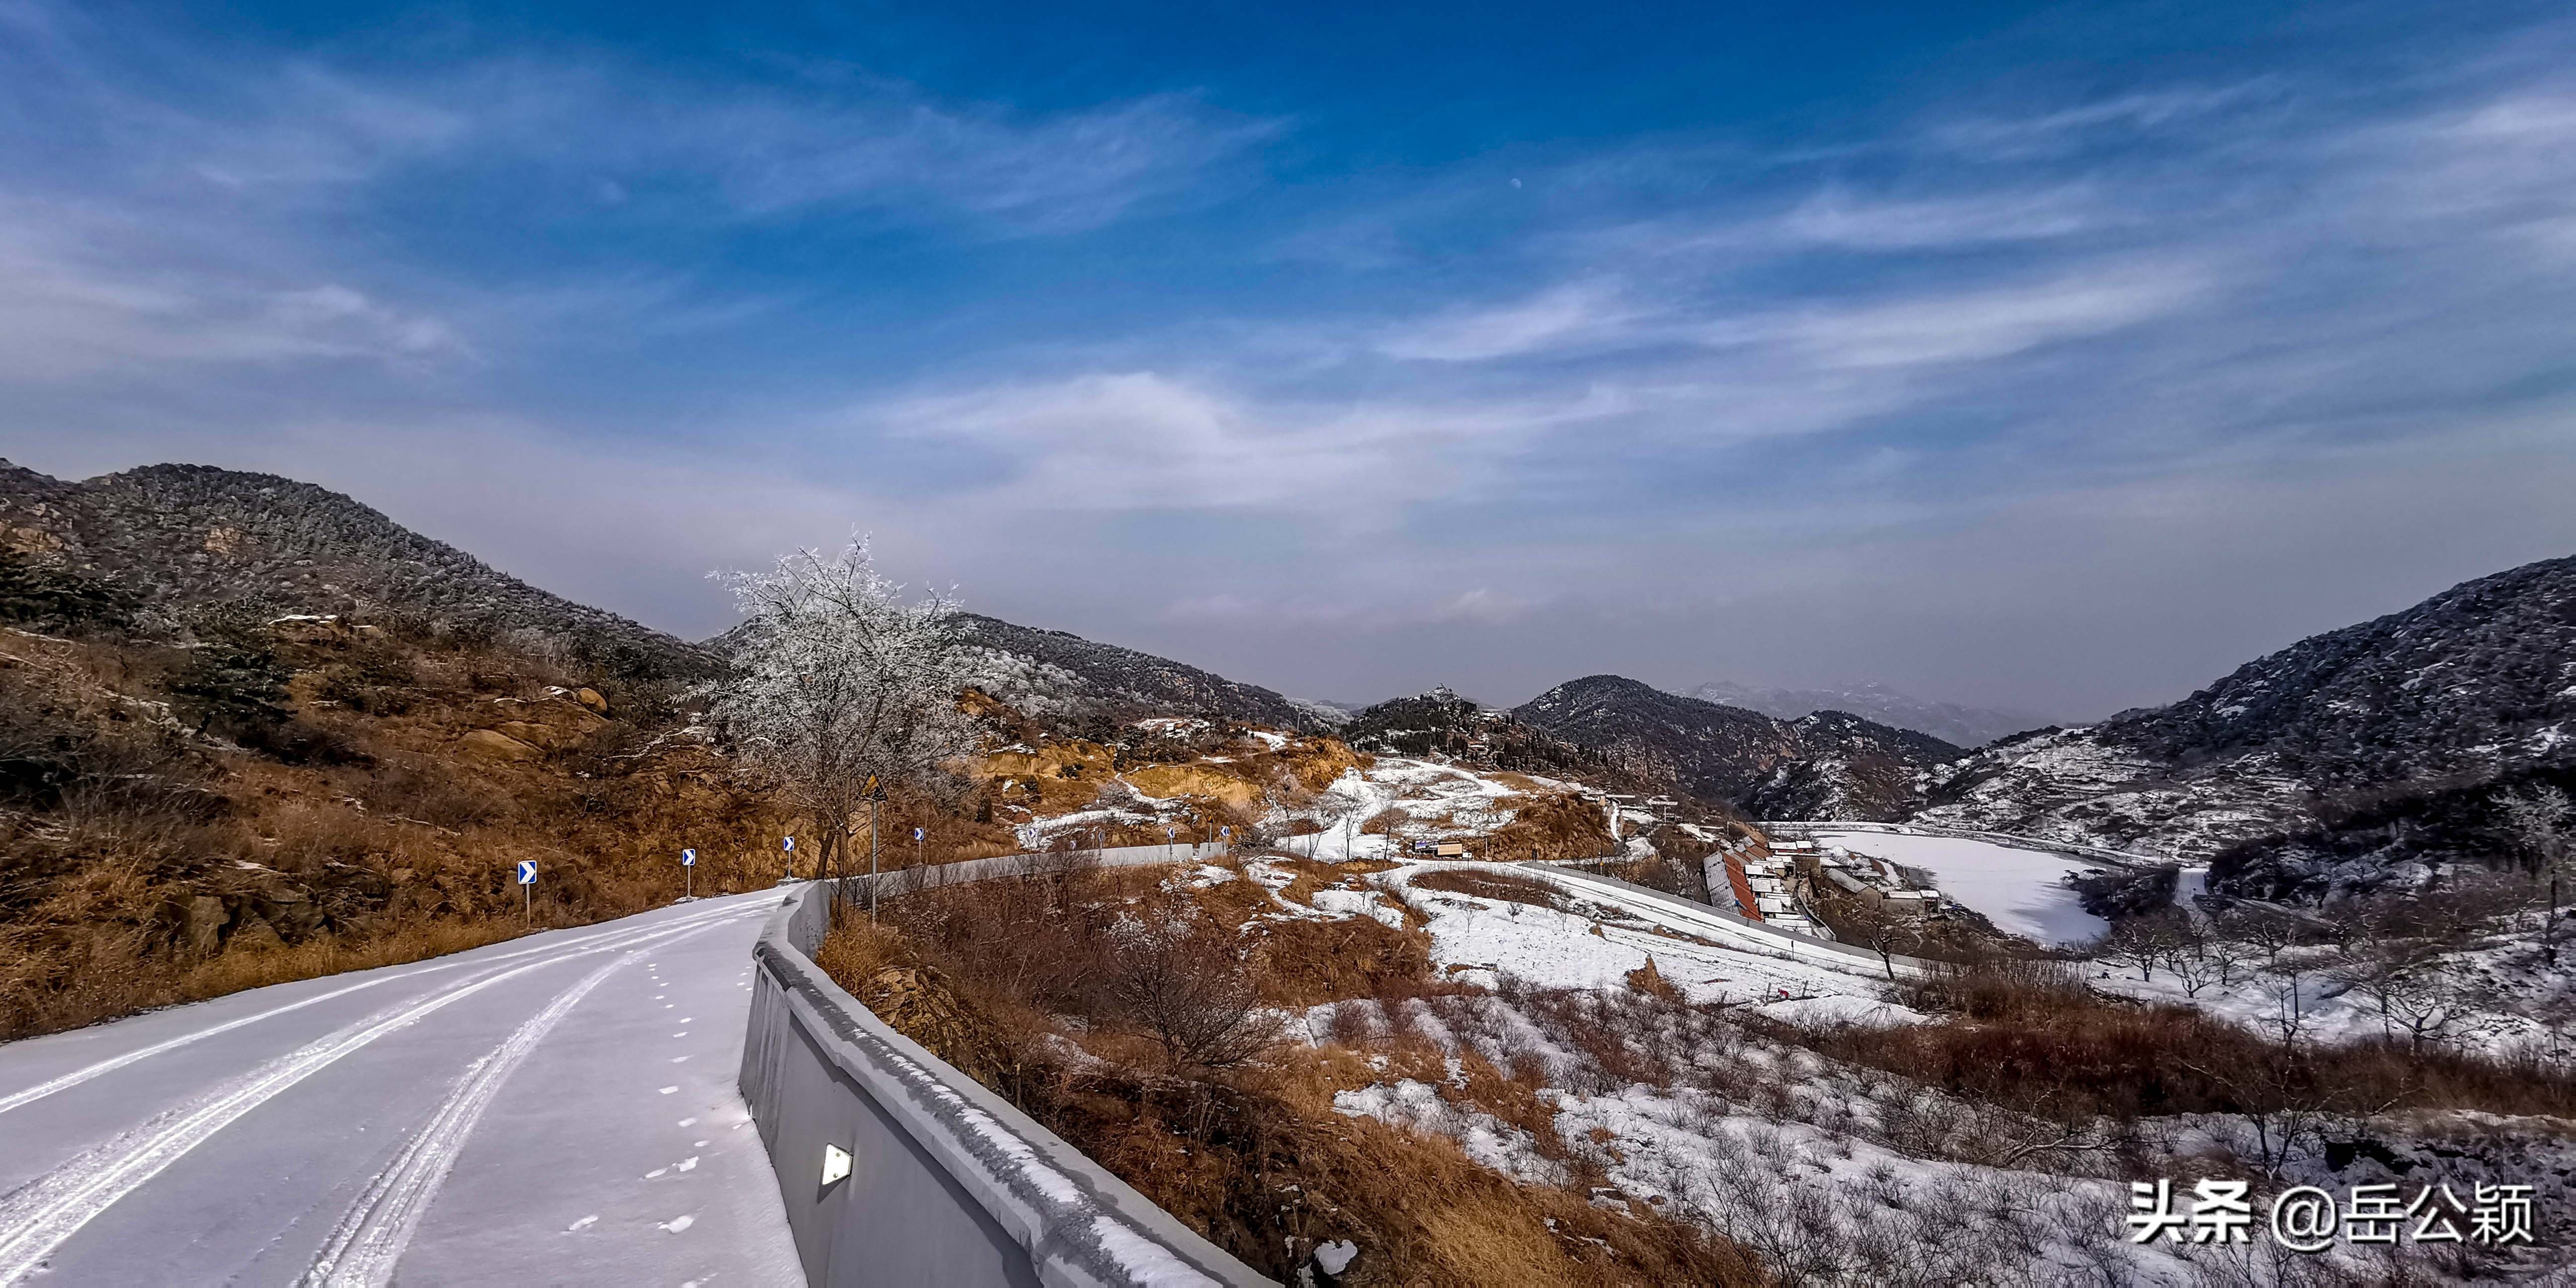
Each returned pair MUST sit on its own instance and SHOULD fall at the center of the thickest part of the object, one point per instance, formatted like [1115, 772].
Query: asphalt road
[558, 1109]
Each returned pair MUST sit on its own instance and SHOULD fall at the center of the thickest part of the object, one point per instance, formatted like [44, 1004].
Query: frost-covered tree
[838, 678]
[2543, 824]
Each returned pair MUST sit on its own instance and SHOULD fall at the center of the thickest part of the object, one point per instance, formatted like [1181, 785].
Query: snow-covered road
[556, 1109]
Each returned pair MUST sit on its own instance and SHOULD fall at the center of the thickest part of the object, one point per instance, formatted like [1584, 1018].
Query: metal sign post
[688, 874]
[788, 846]
[917, 835]
[527, 891]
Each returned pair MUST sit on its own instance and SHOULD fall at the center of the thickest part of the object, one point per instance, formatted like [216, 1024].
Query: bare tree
[2412, 987]
[1883, 931]
[2269, 929]
[839, 680]
[2289, 1020]
[2145, 941]
[1182, 979]
[2541, 822]
[2203, 955]
[2284, 1097]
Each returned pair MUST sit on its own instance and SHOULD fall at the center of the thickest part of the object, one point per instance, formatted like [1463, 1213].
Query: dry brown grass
[1304, 963]
[394, 846]
[1256, 1158]
[1490, 885]
[97, 979]
[1551, 825]
[2029, 1036]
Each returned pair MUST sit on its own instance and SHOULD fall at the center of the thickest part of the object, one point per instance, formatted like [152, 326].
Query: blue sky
[2051, 357]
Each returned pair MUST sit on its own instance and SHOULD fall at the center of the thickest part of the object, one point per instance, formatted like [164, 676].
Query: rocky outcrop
[492, 744]
[184, 537]
[1063, 678]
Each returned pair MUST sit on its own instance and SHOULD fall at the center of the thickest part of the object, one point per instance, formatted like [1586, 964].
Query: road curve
[557, 1109]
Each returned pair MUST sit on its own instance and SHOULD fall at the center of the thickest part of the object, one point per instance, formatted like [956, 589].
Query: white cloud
[1146, 441]
[2060, 130]
[1839, 216]
[1564, 317]
[1997, 322]
[72, 309]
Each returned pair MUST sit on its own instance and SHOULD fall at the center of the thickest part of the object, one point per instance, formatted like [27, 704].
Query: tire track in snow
[78, 1076]
[39, 1216]
[370, 1239]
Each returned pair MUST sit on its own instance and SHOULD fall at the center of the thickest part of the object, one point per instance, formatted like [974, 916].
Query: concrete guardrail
[941, 1182]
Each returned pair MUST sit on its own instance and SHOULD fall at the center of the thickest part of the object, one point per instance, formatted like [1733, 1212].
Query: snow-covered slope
[2475, 684]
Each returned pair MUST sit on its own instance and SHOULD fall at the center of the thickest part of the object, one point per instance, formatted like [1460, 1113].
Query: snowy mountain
[1829, 765]
[2472, 686]
[1948, 721]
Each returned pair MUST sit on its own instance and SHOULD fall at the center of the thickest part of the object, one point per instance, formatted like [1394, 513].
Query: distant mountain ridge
[1950, 722]
[191, 537]
[1059, 675]
[1441, 725]
[1831, 765]
[2475, 685]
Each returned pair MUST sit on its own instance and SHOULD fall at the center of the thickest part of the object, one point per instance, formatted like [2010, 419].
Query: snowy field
[1596, 946]
[2018, 890]
[1442, 802]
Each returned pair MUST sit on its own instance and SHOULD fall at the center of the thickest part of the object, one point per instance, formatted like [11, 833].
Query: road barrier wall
[947, 1184]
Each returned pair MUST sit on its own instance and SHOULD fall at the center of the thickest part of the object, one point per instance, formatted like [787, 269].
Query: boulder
[251, 932]
[590, 698]
[202, 927]
[495, 745]
[290, 914]
[535, 735]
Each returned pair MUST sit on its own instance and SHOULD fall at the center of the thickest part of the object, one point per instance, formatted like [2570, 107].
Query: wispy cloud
[1559, 318]
[1998, 322]
[1839, 216]
[1147, 441]
[73, 306]
[2064, 130]
[212, 217]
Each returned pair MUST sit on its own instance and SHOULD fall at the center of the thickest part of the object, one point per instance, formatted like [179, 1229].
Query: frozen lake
[2016, 889]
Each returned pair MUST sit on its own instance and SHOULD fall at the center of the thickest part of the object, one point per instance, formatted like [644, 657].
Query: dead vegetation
[2031, 1036]
[1140, 1016]
[185, 815]
[1490, 885]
